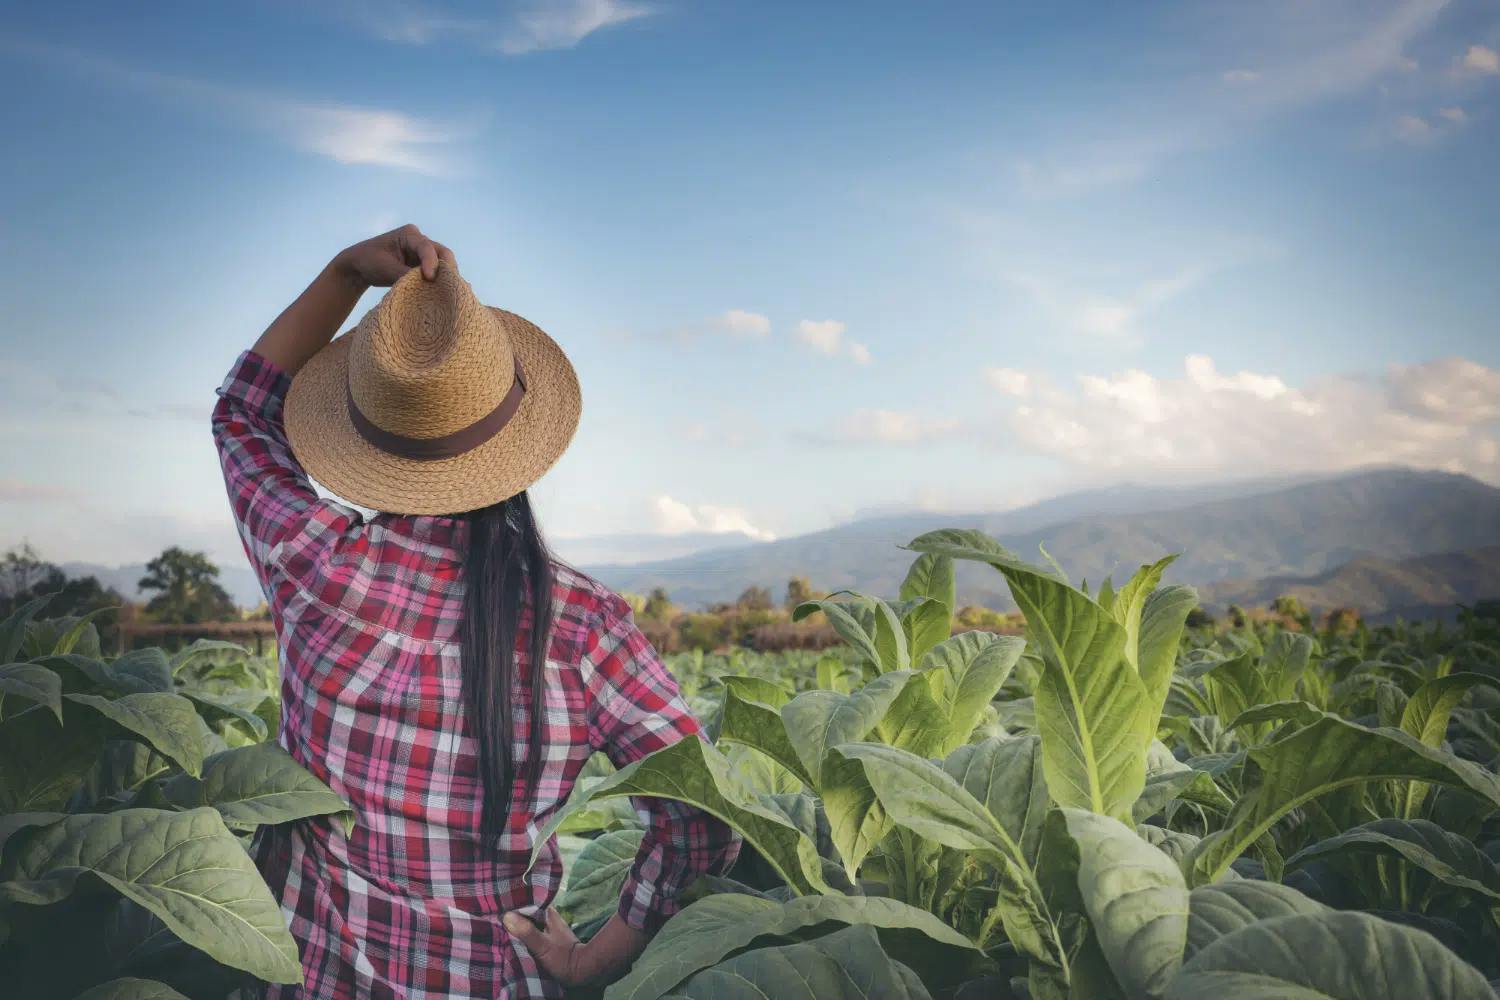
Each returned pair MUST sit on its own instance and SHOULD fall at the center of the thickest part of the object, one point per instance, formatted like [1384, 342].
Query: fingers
[418, 251]
[446, 256]
[521, 928]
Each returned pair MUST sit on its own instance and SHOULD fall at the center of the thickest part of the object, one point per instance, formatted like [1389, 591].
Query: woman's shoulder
[582, 602]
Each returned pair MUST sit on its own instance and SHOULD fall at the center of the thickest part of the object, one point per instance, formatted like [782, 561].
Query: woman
[417, 643]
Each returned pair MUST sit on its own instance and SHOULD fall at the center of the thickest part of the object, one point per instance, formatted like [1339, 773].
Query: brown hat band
[462, 440]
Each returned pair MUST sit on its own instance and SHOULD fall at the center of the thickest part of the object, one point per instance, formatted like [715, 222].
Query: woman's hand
[380, 260]
[571, 962]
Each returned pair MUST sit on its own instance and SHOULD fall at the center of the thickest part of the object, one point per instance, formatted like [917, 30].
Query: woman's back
[368, 615]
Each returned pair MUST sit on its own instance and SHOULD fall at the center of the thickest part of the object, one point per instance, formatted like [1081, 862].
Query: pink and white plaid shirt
[367, 616]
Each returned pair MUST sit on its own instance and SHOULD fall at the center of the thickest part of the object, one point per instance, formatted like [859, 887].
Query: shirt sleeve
[272, 498]
[637, 709]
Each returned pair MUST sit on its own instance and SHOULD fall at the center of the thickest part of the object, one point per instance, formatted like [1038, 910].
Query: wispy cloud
[827, 336]
[901, 428]
[1110, 316]
[341, 132]
[1273, 59]
[1481, 60]
[513, 29]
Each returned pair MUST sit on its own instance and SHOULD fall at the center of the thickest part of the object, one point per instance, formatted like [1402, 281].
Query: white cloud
[894, 427]
[1455, 115]
[1241, 76]
[514, 28]
[562, 24]
[1481, 59]
[1109, 316]
[673, 517]
[1412, 129]
[1440, 414]
[1009, 381]
[341, 132]
[826, 336]
[745, 324]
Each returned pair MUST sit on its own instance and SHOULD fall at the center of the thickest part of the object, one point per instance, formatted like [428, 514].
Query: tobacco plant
[1099, 810]
[129, 787]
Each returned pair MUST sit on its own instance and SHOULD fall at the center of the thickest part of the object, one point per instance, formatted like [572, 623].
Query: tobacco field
[1112, 806]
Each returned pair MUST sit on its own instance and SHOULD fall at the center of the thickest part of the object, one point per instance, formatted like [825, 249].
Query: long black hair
[505, 559]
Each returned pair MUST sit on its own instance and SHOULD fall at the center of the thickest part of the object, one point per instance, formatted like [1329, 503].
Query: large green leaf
[198, 647]
[1225, 907]
[13, 628]
[43, 762]
[917, 720]
[1127, 604]
[1317, 758]
[1168, 778]
[817, 720]
[975, 545]
[1007, 776]
[920, 796]
[716, 926]
[866, 623]
[848, 964]
[931, 575]
[1136, 900]
[166, 721]
[33, 682]
[1235, 688]
[1341, 956]
[693, 772]
[214, 709]
[255, 785]
[1447, 857]
[1091, 707]
[131, 989]
[925, 624]
[121, 770]
[187, 868]
[756, 689]
[857, 821]
[1425, 717]
[758, 725]
[1162, 622]
[973, 665]
[596, 876]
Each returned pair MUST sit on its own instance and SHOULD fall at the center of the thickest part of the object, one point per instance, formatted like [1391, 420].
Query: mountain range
[1244, 531]
[1380, 539]
[1416, 588]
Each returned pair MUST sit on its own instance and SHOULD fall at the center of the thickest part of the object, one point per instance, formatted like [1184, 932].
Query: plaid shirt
[367, 615]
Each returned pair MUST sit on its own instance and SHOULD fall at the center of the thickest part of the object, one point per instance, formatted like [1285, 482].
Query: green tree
[755, 598]
[658, 605]
[798, 590]
[24, 575]
[188, 591]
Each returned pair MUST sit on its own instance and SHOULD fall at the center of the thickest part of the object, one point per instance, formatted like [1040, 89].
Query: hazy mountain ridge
[1378, 587]
[1264, 530]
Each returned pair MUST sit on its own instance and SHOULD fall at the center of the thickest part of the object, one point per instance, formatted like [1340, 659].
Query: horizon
[983, 258]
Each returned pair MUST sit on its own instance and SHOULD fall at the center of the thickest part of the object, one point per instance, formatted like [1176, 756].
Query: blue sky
[809, 259]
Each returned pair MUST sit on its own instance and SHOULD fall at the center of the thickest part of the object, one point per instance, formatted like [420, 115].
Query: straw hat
[433, 403]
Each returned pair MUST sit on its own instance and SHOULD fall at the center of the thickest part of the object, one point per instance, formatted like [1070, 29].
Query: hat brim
[324, 440]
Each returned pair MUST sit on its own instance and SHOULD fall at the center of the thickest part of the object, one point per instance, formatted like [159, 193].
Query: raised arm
[270, 494]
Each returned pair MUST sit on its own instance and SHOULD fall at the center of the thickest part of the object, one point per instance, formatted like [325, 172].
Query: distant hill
[643, 546]
[1381, 588]
[1246, 530]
